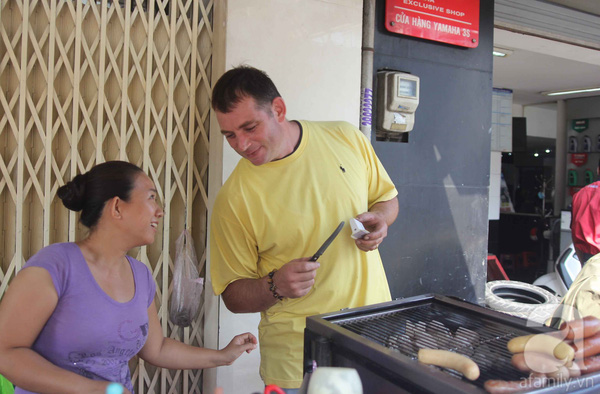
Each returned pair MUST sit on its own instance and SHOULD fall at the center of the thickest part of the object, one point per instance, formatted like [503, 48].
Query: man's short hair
[242, 82]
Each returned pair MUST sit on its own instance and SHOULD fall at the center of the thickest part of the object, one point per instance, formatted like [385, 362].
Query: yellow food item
[543, 343]
[447, 359]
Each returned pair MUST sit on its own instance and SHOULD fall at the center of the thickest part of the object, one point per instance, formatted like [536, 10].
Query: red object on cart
[273, 388]
[495, 271]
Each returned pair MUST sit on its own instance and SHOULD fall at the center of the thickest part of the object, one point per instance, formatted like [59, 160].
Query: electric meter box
[397, 101]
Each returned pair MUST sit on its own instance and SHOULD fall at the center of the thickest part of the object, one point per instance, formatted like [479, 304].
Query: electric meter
[397, 101]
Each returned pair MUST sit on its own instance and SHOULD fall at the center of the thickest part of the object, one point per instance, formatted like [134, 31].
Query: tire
[521, 299]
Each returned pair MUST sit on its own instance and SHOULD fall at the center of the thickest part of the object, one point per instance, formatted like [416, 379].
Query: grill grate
[438, 326]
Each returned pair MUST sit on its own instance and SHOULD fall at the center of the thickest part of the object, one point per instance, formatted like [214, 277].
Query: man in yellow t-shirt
[295, 182]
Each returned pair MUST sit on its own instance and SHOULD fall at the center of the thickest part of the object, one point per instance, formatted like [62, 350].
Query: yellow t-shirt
[264, 216]
[583, 297]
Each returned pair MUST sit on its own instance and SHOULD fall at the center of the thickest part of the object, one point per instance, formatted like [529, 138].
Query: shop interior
[526, 239]
[528, 236]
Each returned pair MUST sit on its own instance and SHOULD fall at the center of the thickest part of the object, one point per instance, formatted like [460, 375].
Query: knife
[327, 242]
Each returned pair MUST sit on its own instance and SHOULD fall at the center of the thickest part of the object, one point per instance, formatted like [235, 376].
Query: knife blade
[327, 242]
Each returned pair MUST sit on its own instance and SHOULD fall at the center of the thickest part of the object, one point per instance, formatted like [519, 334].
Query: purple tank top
[89, 333]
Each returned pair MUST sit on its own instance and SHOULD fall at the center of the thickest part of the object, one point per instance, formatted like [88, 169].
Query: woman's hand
[239, 344]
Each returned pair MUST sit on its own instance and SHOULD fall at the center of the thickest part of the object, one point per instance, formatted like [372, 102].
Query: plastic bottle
[572, 176]
[572, 144]
[589, 176]
[587, 144]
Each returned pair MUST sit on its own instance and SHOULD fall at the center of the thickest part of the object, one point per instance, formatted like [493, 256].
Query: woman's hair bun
[72, 193]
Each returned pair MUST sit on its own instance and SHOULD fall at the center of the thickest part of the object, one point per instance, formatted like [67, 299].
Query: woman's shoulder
[60, 247]
[60, 260]
[53, 252]
[138, 265]
[144, 281]
[141, 269]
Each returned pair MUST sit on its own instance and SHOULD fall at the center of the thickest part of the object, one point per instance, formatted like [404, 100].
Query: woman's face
[142, 212]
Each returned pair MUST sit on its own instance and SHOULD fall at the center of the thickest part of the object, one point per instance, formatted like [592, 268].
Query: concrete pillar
[560, 168]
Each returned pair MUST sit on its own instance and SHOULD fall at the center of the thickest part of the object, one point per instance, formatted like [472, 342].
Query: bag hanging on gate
[187, 284]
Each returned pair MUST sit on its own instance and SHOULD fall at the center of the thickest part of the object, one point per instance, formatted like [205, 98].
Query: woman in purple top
[78, 312]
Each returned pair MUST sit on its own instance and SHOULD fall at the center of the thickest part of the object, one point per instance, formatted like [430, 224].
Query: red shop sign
[451, 21]
[579, 159]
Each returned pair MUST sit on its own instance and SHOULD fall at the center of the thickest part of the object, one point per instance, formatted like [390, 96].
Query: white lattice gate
[82, 82]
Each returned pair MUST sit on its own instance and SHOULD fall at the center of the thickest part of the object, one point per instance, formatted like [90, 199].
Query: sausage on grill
[535, 362]
[587, 347]
[581, 328]
[589, 365]
[515, 386]
[542, 343]
[447, 359]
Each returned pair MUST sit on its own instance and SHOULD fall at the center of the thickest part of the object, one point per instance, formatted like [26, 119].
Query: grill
[381, 342]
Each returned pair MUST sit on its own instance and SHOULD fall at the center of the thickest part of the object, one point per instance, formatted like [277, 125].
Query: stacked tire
[521, 299]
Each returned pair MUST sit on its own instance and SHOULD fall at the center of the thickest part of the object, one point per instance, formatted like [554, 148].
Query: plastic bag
[6, 387]
[187, 285]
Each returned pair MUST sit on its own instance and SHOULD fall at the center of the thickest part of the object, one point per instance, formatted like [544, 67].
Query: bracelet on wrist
[272, 286]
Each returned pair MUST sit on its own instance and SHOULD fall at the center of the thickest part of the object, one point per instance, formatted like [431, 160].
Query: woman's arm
[26, 307]
[169, 353]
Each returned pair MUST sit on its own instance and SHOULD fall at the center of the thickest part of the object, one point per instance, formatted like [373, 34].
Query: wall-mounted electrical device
[397, 101]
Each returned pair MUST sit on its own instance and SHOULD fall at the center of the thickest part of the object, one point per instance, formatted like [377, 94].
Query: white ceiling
[538, 64]
[589, 6]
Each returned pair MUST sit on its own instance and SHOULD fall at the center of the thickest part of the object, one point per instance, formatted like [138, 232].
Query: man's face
[254, 132]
